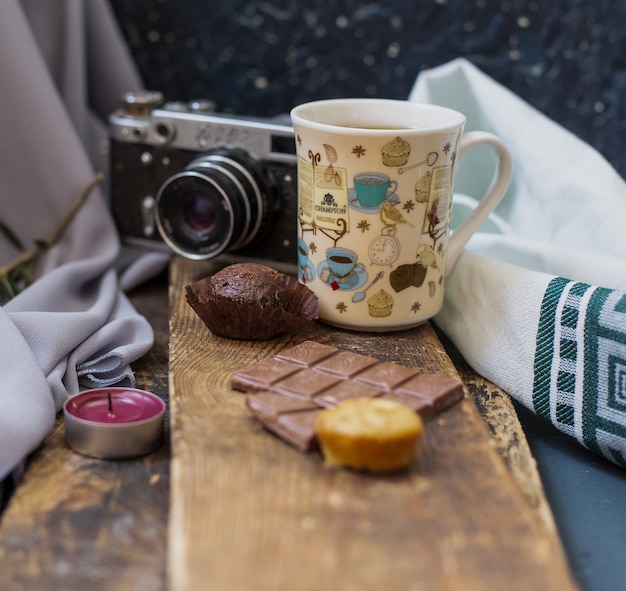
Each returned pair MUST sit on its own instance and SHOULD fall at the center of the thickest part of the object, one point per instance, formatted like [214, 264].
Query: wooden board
[250, 512]
[77, 523]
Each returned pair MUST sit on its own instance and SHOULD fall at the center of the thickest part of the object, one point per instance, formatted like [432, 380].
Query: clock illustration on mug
[384, 250]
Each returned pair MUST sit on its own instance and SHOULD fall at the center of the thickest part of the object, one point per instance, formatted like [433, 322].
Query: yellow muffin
[371, 434]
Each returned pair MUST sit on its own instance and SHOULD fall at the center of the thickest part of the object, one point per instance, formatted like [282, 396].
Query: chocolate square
[270, 405]
[262, 375]
[386, 375]
[307, 353]
[305, 383]
[346, 363]
[344, 390]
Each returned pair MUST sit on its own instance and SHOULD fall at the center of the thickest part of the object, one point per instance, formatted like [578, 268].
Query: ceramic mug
[401, 247]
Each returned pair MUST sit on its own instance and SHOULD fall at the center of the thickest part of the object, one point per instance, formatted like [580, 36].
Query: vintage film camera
[200, 183]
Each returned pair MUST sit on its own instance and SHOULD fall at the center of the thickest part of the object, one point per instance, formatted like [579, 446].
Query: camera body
[202, 184]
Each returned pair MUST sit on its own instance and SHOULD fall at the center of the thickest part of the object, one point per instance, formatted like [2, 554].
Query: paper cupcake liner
[290, 308]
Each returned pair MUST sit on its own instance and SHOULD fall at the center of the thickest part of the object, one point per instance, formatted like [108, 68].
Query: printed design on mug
[323, 194]
[380, 305]
[388, 207]
[396, 152]
[431, 158]
[359, 296]
[391, 217]
[432, 192]
[436, 191]
[306, 268]
[371, 191]
[341, 307]
[330, 174]
[341, 269]
[413, 274]
[377, 194]
[384, 250]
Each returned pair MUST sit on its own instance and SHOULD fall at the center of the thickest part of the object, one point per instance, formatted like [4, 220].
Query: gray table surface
[588, 499]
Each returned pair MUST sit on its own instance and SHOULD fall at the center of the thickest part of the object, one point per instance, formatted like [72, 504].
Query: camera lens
[220, 202]
[198, 212]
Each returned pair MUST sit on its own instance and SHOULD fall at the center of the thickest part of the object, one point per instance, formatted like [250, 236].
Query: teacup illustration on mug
[372, 188]
[306, 271]
[341, 261]
[341, 270]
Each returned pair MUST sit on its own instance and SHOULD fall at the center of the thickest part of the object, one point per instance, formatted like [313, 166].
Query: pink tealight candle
[114, 423]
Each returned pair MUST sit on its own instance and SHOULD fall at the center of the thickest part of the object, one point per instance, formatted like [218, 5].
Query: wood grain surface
[250, 512]
[79, 523]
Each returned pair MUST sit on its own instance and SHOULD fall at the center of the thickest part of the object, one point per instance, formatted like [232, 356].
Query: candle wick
[110, 402]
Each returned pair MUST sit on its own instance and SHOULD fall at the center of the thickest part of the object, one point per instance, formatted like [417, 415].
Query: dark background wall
[565, 57]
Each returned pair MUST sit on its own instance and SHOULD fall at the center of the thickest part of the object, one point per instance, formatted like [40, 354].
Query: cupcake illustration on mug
[396, 152]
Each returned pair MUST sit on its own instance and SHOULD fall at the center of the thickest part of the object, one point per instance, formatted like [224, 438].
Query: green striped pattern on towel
[580, 365]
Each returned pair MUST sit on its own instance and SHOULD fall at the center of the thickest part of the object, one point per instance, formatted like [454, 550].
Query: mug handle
[493, 196]
[393, 187]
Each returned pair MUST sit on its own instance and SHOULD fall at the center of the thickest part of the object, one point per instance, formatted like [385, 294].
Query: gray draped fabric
[63, 66]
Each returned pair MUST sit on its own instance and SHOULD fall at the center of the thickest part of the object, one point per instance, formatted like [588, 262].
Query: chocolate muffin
[251, 301]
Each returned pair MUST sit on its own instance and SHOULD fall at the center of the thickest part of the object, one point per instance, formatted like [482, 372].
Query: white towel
[537, 302]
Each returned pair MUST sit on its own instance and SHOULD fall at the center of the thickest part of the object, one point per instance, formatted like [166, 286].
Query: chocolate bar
[287, 392]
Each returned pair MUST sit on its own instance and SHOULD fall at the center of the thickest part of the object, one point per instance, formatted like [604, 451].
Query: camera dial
[141, 103]
[220, 202]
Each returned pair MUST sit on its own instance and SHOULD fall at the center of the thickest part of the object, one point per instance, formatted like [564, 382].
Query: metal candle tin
[114, 423]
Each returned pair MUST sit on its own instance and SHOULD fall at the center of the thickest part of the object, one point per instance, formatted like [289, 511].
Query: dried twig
[17, 274]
